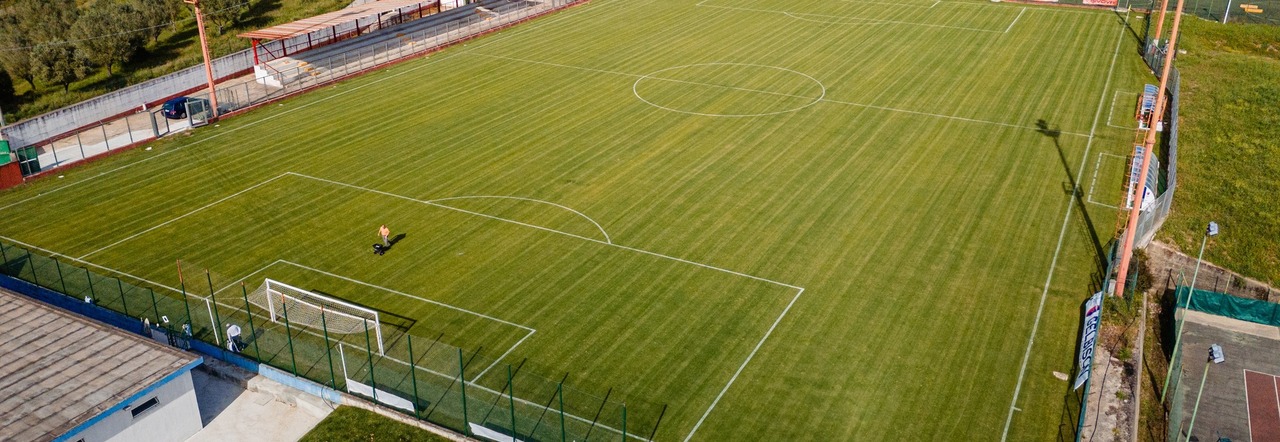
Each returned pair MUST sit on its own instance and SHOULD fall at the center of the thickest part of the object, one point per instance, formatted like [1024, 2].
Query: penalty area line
[733, 379]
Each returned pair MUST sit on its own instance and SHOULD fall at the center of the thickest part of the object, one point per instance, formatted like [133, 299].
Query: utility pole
[208, 61]
[1148, 145]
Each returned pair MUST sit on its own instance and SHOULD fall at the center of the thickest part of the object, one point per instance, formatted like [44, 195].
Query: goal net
[309, 309]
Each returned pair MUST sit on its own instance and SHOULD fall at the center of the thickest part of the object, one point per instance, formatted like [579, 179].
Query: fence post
[462, 376]
[288, 332]
[57, 265]
[373, 382]
[34, 278]
[182, 284]
[89, 277]
[511, 399]
[413, 374]
[105, 140]
[257, 352]
[128, 129]
[560, 392]
[213, 305]
[123, 302]
[80, 143]
[54, 150]
[3, 254]
[155, 305]
[324, 326]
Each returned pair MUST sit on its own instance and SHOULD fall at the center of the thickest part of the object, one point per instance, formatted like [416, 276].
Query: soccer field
[781, 220]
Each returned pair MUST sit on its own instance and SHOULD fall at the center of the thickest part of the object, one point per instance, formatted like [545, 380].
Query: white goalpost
[310, 309]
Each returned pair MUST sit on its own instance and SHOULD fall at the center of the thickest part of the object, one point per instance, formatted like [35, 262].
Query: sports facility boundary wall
[425, 378]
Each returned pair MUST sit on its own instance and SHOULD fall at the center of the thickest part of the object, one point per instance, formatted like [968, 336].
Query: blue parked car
[175, 108]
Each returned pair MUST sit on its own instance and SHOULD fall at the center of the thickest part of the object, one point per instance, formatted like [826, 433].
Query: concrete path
[239, 406]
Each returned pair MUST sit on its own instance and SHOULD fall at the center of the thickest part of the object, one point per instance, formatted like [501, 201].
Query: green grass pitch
[785, 220]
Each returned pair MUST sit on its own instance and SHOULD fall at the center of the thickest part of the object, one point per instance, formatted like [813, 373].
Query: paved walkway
[239, 406]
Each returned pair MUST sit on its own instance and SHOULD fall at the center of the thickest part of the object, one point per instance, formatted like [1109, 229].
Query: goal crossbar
[310, 309]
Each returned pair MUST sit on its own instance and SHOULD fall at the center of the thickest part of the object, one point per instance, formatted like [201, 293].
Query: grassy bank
[1229, 153]
[350, 424]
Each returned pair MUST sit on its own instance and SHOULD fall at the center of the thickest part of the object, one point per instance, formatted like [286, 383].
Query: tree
[223, 13]
[15, 49]
[6, 89]
[58, 63]
[158, 13]
[47, 23]
[107, 34]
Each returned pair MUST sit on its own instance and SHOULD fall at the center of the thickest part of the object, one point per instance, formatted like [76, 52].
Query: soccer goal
[310, 309]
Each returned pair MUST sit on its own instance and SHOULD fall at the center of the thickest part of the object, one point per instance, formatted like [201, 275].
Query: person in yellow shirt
[384, 232]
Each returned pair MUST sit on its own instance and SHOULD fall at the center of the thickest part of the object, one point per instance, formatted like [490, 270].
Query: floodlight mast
[1164, 5]
[208, 61]
[1148, 145]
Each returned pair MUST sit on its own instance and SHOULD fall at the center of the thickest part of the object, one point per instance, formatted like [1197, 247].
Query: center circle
[729, 89]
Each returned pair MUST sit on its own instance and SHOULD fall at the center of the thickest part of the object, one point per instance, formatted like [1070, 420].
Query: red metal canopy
[322, 21]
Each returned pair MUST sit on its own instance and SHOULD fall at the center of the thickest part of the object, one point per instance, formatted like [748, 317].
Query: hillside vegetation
[1229, 148]
[59, 52]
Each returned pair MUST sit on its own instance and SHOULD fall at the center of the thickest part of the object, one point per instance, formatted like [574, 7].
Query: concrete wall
[175, 418]
[122, 101]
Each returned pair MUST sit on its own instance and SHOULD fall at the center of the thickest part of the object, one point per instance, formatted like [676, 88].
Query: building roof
[322, 21]
[60, 370]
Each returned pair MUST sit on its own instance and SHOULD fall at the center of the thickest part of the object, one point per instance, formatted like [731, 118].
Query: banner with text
[1088, 338]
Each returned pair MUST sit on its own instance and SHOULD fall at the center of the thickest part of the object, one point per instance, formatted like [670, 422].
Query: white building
[67, 378]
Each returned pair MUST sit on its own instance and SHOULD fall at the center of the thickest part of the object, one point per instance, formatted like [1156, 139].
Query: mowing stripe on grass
[1062, 234]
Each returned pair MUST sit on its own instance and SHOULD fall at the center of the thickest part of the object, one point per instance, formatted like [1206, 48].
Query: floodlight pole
[1126, 252]
[1226, 13]
[1164, 6]
[208, 61]
[1212, 230]
[1213, 359]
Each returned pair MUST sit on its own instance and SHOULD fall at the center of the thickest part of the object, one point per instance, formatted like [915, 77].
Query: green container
[5, 157]
[28, 160]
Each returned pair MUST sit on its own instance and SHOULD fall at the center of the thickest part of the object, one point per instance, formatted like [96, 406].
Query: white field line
[1094, 182]
[419, 298]
[744, 365]
[900, 5]
[839, 17]
[1062, 235]
[1248, 414]
[503, 356]
[1111, 116]
[425, 64]
[90, 264]
[443, 206]
[1015, 20]
[206, 206]
[533, 200]
[429, 203]
[825, 100]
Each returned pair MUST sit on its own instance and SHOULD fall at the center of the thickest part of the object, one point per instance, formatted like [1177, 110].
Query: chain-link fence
[468, 391]
[1230, 11]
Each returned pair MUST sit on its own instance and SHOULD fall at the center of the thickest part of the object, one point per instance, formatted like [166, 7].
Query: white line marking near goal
[1111, 115]
[206, 206]
[419, 298]
[744, 365]
[503, 356]
[826, 100]
[1062, 235]
[1093, 183]
[602, 231]
[1015, 20]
